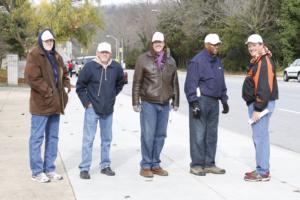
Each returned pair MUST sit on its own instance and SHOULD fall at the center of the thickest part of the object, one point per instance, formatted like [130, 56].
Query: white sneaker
[54, 176]
[41, 178]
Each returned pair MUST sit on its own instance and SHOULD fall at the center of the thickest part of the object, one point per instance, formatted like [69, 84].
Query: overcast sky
[111, 2]
[116, 2]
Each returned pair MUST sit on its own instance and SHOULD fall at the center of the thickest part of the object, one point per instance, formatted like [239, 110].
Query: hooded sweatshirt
[50, 55]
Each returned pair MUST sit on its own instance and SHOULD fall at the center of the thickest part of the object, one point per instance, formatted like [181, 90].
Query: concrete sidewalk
[15, 176]
[235, 154]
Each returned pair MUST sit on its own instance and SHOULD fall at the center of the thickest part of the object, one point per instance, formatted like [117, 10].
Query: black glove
[225, 108]
[196, 109]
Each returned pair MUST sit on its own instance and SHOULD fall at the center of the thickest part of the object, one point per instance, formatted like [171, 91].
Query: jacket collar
[150, 55]
[109, 64]
[43, 53]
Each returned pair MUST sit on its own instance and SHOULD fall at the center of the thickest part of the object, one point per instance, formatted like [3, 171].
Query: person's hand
[137, 108]
[196, 110]
[175, 108]
[225, 108]
[89, 105]
[172, 107]
[256, 116]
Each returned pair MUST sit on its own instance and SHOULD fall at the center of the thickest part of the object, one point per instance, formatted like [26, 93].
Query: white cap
[158, 36]
[254, 38]
[212, 38]
[47, 35]
[104, 46]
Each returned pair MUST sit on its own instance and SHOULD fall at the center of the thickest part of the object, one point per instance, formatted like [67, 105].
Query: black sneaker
[85, 175]
[107, 171]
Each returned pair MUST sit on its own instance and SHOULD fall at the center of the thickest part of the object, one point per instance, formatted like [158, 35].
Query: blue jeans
[204, 133]
[260, 135]
[89, 130]
[154, 122]
[43, 127]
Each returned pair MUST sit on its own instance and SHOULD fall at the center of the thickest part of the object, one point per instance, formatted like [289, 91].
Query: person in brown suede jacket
[47, 77]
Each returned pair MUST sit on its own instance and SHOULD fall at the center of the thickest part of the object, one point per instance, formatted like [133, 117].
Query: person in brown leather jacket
[47, 77]
[155, 83]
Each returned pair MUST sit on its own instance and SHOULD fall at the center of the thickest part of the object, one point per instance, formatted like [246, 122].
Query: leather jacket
[155, 85]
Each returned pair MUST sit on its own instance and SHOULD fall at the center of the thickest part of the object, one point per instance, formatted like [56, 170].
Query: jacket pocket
[48, 100]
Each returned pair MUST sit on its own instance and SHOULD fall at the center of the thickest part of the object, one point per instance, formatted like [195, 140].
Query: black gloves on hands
[225, 108]
[196, 109]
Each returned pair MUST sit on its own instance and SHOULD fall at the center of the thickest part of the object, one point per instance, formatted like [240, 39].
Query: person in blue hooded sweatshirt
[98, 84]
[47, 77]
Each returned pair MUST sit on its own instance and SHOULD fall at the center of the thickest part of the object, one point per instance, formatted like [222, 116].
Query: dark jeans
[154, 122]
[204, 133]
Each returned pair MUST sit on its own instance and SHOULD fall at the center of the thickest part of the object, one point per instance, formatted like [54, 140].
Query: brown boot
[146, 173]
[160, 171]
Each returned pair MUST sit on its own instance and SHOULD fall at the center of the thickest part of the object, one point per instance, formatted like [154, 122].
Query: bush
[131, 58]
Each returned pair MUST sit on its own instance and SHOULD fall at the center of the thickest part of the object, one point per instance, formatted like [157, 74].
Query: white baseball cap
[212, 38]
[254, 38]
[104, 46]
[47, 35]
[158, 36]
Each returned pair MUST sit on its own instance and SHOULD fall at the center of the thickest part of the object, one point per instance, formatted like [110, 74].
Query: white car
[293, 71]
[81, 61]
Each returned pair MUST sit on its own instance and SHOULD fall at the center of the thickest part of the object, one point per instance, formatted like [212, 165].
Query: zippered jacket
[260, 85]
[100, 86]
[205, 72]
[155, 85]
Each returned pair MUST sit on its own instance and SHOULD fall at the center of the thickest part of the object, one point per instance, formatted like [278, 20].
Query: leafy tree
[130, 59]
[290, 30]
[68, 21]
[13, 25]
[256, 16]
[21, 23]
[233, 20]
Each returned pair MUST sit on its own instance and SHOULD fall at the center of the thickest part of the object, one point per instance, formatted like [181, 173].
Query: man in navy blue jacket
[99, 82]
[205, 73]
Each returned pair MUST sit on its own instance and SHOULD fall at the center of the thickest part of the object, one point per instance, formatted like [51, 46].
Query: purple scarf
[158, 59]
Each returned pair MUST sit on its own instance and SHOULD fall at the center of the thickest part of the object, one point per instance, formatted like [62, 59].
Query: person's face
[104, 56]
[213, 49]
[158, 46]
[48, 45]
[255, 49]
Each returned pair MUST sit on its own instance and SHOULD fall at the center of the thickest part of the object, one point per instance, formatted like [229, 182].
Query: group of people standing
[155, 91]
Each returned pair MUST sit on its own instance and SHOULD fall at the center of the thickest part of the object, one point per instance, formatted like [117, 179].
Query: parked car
[81, 61]
[293, 71]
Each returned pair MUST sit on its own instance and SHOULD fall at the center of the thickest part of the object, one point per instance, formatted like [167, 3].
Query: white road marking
[290, 111]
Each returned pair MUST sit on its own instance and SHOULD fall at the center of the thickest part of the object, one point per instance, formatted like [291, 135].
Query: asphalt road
[285, 121]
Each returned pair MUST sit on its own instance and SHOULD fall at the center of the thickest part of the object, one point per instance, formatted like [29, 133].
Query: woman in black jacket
[260, 91]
